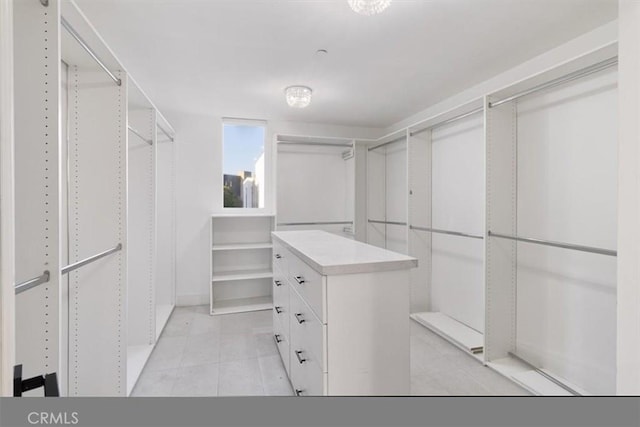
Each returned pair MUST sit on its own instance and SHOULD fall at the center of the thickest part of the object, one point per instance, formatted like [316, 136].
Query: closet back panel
[315, 184]
[165, 217]
[419, 243]
[376, 197]
[567, 181]
[141, 222]
[97, 222]
[396, 195]
[457, 280]
[37, 187]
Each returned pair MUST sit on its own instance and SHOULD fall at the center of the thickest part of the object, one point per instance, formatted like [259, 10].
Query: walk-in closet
[336, 198]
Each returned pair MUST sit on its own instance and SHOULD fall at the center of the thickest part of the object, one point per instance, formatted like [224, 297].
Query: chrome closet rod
[560, 80]
[32, 283]
[451, 120]
[77, 265]
[320, 144]
[400, 138]
[547, 376]
[165, 132]
[375, 221]
[90, 51]
[315, 223]
[581, 248]
[148, 141]
[452, 233]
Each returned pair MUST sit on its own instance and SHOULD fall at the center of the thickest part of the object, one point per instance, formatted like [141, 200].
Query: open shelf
[241, 305]
[137, 356]
[453, 331]
[242, 246]
[228, 276]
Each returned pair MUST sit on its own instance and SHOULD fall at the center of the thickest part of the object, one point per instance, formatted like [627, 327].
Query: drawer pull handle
[299, 356]
[299, 392]
[299, 279]
[278, 309]
[299, 318]
[278, 256]
[278, 339]
[277, 282]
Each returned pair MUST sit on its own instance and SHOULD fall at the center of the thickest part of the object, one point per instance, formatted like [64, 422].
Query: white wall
[199, 190]
[591, 41]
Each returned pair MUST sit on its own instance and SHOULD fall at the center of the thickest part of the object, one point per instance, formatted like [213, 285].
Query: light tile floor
[235, 354]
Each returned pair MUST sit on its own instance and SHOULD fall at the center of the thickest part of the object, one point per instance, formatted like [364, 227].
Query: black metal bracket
[48, 381]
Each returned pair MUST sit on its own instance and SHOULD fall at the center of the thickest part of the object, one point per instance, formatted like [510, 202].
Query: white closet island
[322, 280]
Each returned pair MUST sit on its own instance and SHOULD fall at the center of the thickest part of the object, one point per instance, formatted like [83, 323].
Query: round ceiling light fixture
[369, 7]
[298, 96]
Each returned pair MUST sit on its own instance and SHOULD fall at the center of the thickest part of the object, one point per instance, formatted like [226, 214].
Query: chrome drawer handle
[278, 256]
[277, 282]
[299, 392]
[300, 359]
[299, 318]
[299, 279]
[278, 339]
[278, 309]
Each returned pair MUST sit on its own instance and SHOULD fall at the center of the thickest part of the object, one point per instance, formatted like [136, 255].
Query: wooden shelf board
[242, 305]
[163, 312]
[242, 246]
[229, 276]
[137, 356]
[528, 378]
[450, 329]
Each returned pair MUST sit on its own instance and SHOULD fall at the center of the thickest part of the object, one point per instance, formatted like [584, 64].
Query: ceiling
[235, 57]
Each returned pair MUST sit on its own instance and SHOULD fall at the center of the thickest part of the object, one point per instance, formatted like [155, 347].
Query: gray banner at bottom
[330, 411]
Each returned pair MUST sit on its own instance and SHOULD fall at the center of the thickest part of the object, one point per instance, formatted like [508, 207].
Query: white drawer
[307, 378]
[281, 305]
[282, 342]
[307, 334]
[309, 284]
[281, 257]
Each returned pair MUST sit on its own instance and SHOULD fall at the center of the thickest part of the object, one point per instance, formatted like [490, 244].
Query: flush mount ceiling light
[369, 7]
[298, 96]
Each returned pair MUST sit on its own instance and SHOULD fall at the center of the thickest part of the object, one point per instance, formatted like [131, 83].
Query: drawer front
[307, 334]
[281, 257]
[281, 305]
[307, 379]
[309, 284]
[282, 342]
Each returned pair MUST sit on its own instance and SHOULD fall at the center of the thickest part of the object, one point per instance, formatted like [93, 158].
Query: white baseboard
[189, 300]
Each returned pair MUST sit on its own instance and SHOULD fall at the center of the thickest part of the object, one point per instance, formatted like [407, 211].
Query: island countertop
[330, 254]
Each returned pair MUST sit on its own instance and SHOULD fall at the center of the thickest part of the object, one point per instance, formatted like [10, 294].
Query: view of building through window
[243, 165]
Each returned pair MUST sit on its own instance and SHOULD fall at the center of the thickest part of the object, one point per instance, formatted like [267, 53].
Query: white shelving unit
[241, 271]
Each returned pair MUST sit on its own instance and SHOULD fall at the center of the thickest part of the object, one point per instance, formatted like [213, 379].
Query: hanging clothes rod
[90, 51]
[77, 265]
[452, 233]
[400, 138]
[32, 283]
[581, 248]
[283, 224]
[561, 80]
[166, 133]
[451, 120]
[132, 130]
[319, 144]
[547, 376]
[375, 221]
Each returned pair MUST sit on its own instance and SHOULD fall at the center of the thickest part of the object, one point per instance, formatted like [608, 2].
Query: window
[243, 145]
